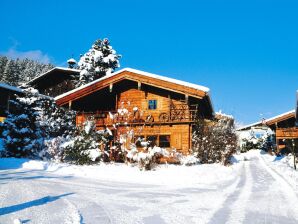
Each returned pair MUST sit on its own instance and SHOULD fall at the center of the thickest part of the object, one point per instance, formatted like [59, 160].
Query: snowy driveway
[248, 192]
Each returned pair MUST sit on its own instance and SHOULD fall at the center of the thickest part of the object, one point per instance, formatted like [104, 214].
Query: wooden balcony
[287, 133]
[123, 118]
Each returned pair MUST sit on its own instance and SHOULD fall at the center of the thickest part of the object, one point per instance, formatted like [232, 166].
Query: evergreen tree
[84, 147]
[55, 121]
[17, 72]
[22, 134]
[99, 61]
[10, 73]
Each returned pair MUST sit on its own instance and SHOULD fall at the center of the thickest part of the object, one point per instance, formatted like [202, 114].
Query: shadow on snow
[29, 204]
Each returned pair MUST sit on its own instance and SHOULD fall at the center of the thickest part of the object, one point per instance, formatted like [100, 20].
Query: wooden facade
[151, 107]
[285, 129]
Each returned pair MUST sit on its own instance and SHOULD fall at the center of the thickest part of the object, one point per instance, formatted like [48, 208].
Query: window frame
[152, 104]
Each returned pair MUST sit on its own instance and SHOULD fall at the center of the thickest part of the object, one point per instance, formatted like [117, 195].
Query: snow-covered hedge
[214, 141]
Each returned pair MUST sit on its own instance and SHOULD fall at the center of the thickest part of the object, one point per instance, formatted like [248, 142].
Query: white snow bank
[171, 175]
[284, 166]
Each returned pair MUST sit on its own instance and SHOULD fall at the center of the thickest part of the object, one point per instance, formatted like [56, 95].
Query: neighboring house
[7, 93]
[157, 108]
[282, 125]
[254, 132]
[55, 81]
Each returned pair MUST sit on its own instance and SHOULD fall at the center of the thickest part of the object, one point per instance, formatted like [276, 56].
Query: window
[152, 104]
[152, 139]
[164, 141]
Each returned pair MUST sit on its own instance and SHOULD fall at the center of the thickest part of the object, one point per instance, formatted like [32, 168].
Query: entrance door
[176, 141]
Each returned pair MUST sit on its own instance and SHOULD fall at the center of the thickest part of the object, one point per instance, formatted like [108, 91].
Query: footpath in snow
[250, 191]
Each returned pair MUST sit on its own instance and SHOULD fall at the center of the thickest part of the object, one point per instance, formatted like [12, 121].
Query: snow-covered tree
[99, 61]
[84, 146]
[22, 134]
[19, 71]
[55, 121]
[214, 141]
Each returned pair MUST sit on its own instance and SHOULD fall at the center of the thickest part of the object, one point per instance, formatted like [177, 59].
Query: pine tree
[55, 121]
[21, 131]
[10, 73]
[99, 61]
[17, 72]
[84, 148]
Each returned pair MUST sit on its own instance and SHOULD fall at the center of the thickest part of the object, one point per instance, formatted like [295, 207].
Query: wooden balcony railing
[123, 117]
[286, 133]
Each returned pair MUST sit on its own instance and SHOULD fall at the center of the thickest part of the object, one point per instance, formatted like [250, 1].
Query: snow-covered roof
[220, 113]
[249, 126]
[195, 86]
[280, 116]
[266, 120]
[56, 68]
[164, 78]
[12, 88]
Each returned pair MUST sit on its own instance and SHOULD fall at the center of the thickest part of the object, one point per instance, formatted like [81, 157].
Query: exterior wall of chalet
[285, 130]
[150, 107]
[167, 122]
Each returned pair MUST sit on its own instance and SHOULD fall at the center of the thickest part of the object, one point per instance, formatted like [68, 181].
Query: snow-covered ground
[250, 191]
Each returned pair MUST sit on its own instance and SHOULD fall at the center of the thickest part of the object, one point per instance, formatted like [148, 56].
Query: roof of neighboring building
[66, 71]
[11, 88]
[281, 117]
[270, 121]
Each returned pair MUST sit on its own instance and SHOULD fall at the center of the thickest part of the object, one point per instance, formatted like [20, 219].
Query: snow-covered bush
[214, 141]
[21, 131]
[99, 61]
[251, 141]
[54, 148]
[188, 160]
[148, 157]
[84, 147]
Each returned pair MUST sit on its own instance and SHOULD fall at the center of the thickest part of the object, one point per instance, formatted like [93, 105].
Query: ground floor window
[164, 141]
[152, 139]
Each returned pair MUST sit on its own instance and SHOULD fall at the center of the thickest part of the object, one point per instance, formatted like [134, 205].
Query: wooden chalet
[55, 81]
[7, 93]
[157, 108]
[284, 126]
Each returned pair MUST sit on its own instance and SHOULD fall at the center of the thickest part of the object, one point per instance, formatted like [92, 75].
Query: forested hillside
[16, 72]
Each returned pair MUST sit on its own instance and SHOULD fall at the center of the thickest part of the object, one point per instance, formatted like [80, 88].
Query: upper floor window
[152, 104]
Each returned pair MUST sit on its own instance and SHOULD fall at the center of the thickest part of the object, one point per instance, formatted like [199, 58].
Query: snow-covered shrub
[54, 148]
[84, 147]
[22, 133]
[99, 61]
[188, 160]
[148, 157]
[214, 141]
[251, 141]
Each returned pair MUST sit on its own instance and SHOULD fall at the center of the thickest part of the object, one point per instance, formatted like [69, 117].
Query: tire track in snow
[289, 193]
[238, 208]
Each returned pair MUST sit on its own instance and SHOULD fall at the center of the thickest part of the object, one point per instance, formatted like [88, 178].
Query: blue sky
[246, 52]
